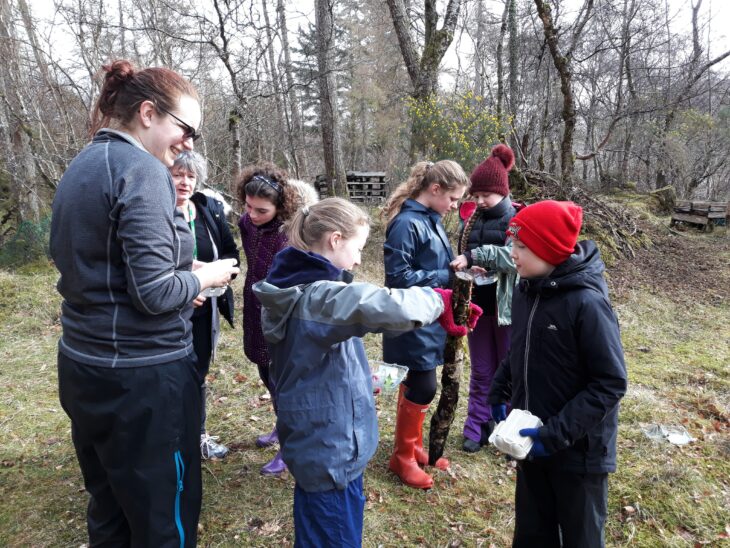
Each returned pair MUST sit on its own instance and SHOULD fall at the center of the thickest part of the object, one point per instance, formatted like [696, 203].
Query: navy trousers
[554, 508]
[136, 432]
[329, 519]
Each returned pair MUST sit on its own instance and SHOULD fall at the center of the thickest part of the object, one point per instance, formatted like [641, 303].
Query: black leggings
[420, 386]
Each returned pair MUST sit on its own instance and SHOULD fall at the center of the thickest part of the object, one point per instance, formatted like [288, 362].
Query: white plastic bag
[506, 435]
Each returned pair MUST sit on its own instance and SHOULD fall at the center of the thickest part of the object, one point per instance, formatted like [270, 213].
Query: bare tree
[294, 122]
[333, 165]
[423, 68]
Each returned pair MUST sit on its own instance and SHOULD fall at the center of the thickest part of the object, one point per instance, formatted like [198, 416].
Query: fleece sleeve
[147, 234]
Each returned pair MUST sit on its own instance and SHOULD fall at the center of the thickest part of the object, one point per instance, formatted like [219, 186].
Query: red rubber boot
[409, 422]
[420, 453]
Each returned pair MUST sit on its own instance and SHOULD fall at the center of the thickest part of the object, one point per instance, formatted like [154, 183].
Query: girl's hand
[460, 263]
[199, 301]
[197, 264]
[476, 270]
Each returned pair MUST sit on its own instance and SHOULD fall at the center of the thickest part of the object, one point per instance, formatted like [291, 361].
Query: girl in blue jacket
[417, 252]
[313, 318]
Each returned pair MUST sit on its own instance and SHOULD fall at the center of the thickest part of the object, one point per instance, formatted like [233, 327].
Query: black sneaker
[471, 446]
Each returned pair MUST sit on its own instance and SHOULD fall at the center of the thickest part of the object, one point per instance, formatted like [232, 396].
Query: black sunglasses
[190, 132]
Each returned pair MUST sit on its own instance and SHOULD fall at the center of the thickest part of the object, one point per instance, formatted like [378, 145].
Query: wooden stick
[451, 374]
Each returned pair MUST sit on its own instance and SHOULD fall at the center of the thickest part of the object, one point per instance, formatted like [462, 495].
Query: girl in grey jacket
[313, 318]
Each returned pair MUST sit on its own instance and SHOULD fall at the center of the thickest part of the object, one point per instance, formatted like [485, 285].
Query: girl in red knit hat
[482, 244]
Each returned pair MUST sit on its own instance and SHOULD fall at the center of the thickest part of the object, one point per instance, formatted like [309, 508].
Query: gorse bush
[27, 245]
[455, 127]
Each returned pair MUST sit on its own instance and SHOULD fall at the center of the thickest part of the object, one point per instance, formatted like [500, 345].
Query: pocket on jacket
[555, 345]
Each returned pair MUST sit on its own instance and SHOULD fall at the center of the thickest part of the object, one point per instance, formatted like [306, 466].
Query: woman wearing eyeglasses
[213, 240]
[126, 366]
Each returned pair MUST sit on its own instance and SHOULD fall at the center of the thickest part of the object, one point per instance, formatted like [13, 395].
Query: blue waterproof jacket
[416, 252]
[312, 321]
[566, 363]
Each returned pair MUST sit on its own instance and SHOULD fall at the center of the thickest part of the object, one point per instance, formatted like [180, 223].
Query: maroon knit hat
[549, 229]
[491, 174]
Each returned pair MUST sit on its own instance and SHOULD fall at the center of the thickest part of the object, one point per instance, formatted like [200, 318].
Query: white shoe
[210, 448]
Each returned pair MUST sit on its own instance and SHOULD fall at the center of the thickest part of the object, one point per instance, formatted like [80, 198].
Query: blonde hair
[447, 173]
[309, 225]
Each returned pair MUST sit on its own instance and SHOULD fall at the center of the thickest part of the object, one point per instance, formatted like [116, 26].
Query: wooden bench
[705, 215]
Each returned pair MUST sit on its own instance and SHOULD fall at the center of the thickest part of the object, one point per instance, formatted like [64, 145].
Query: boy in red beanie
[566, 366]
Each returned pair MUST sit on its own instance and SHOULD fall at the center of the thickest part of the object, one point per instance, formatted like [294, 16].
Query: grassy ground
[677, 344]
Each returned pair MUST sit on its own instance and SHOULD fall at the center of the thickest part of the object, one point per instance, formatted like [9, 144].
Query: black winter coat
[212, 213]
[489, 229]
[566, 363]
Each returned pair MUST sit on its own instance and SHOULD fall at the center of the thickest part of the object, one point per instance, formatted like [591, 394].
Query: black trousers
[203, 346]
[136, 432]
[555, 508]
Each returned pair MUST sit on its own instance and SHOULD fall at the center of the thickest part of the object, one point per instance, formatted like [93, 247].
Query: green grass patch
[662, 495]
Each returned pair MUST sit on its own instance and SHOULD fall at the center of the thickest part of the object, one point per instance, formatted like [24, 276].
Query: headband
[266, 180]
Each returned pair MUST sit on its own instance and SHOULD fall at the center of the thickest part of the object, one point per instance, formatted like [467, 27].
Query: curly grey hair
[190, 160]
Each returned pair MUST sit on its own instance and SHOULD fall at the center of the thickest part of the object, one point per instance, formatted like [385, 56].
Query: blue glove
[499, 412]
[538, 449]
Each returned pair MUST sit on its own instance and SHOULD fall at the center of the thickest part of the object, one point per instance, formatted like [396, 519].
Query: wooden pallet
[704, 214]
[362, 186]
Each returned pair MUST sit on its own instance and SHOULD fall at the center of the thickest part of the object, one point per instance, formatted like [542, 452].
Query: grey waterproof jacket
[326, 420]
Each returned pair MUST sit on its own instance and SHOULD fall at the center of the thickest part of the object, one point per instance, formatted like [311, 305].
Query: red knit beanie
[549, 229]
[491, 174]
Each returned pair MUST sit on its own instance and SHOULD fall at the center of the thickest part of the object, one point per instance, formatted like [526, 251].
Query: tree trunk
[296, 138]
[451, 375]
[500, 64]
[562, 65]
[283, 130]
[479, 47]
[423, 69]
[334, 167]
[16, 127]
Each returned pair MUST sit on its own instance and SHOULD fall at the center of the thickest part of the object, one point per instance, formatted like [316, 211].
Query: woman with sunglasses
[126, 366]
[213, 241]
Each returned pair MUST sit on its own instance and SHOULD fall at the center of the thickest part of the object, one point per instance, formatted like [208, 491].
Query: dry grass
[678, 357]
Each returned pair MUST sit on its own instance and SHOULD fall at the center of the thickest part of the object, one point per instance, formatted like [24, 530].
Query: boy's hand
[538, 449]
[499, 412]
[446, 319]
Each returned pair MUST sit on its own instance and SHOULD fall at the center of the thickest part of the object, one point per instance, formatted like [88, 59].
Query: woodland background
[602, 94]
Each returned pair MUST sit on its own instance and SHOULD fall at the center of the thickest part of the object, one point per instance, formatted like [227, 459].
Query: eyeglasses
[190, 132]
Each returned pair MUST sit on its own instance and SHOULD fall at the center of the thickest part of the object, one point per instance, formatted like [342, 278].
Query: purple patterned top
[260, 244]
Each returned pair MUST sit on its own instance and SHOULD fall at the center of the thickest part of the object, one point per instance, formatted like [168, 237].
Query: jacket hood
[584, 268]
[281, 291]
[293, 266]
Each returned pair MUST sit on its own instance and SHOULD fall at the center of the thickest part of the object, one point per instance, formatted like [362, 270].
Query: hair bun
[505, 155]
[119, 71]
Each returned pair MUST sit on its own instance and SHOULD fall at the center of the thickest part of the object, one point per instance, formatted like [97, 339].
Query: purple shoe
[267, 440]
[275, 467]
